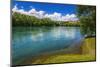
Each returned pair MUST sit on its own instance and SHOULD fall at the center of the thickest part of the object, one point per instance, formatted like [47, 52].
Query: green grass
[88, 46]
[87, 54]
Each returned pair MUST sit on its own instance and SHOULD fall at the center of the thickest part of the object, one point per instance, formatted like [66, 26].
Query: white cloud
[38, 14]
[55, 16]
[42, 14]
[15, 8]
[32, 11]
[69, 17]
[22, 11]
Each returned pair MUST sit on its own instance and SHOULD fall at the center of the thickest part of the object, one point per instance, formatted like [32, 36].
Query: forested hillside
[19, 19]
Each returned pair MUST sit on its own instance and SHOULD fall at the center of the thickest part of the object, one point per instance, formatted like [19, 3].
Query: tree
[87, 16]
[19, 19]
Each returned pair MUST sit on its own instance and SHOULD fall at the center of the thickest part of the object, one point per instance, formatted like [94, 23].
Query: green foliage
[72, 24]
[87, 16]
[26, 20]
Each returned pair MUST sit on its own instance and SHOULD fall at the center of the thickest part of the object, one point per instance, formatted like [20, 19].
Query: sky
[57, 12]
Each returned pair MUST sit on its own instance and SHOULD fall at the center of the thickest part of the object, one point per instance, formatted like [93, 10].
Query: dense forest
[19, 19]
[87, 16]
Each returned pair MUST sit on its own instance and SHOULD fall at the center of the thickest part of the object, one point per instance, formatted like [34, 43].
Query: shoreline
[78, 54]
[84, 54]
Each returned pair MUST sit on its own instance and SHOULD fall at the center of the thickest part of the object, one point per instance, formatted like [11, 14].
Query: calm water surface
[33, 41]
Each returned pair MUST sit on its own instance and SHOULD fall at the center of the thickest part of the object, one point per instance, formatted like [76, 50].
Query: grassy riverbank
[86, 53]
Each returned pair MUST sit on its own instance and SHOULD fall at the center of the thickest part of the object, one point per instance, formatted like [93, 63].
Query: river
[33, 41]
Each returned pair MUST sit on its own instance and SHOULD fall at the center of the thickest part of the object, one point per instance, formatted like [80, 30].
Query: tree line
[19, 19]
[87, 16]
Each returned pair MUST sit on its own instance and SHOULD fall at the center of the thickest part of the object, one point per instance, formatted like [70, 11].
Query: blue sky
[58, 12]
[47, 7]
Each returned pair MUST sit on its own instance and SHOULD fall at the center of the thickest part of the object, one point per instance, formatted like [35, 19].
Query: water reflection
[32, 41]
[37, 37]
[63, 32]
[56, 32]
[70, 33]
